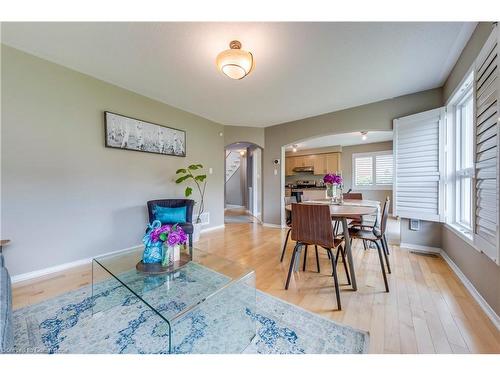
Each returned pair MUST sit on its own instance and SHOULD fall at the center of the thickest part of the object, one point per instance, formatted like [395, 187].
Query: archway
[243, 183]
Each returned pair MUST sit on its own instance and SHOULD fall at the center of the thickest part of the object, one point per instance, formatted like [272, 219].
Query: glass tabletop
[193, 283]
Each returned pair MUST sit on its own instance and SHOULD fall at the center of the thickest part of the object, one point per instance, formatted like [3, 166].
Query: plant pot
[196, 231]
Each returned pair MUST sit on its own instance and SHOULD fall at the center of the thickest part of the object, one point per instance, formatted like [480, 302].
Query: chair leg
[386, 244]
[384, 248]
[337, 257]
[364, 245]
[342, 253]
[284, 246]
[305, 259]
[317, 257]
[382, 266]
[336, 281]
[190, 239]
[292, 261]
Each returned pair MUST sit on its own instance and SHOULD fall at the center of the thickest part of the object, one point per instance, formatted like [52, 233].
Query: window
[461, 160]
[372, 170]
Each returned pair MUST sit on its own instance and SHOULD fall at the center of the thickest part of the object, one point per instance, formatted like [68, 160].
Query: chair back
[385, 214]
[358, 196]
[288, 217]
[172, 203]
[312, 224]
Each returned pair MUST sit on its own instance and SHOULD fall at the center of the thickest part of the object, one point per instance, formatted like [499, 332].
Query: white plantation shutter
[363, 167]
[383, 172]
[486, 141]
[418, 165]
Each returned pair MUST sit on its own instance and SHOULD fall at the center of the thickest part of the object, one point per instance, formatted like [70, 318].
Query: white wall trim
[421, 248]
[495, 319]
[212, 228]
[62, 267]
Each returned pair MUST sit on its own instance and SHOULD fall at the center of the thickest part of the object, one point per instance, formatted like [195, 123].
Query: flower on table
[172, 234]
[333, 179]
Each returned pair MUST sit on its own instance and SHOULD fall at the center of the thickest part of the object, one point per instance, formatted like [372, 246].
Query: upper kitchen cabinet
[332, 162]
[321, 163]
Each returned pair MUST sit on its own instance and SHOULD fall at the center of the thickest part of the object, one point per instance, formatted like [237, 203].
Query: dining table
[348, 209]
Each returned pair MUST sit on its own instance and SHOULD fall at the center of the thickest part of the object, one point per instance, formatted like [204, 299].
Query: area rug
[239, 320]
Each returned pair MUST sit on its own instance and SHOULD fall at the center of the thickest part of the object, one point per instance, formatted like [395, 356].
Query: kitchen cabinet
[322, 163]
[332, 162]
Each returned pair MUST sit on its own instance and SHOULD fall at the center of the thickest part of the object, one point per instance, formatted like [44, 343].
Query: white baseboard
[212, 228]
[61, 267]
[473, 291]
[421, 248]
[269, 225]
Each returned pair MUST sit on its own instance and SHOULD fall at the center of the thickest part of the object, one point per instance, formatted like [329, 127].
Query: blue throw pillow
[170, 215]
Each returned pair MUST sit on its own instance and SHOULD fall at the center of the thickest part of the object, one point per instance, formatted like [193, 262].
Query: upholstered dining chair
[175, 203]
[288, 218]
[312, 225]
[376, 235]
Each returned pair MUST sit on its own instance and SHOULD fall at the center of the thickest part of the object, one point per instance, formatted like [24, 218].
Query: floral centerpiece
[162, 243]
[333, 183]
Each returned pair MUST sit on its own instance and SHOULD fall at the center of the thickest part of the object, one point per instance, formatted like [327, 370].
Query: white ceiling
[301, 69]
[346, 139]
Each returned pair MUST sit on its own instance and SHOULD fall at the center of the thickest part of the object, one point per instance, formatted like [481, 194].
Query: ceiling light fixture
[235, 62]
[242, 152]
[363, 135]
[294, 148]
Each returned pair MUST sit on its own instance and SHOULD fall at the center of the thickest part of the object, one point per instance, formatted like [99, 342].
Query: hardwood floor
[428, 310]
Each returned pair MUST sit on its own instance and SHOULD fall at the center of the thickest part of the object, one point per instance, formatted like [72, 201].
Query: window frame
[455, 172]
[374, 185]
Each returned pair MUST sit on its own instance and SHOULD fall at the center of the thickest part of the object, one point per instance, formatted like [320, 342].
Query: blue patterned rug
[237, 320]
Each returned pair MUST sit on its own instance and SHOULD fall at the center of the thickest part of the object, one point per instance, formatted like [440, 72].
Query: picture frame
[128, 133]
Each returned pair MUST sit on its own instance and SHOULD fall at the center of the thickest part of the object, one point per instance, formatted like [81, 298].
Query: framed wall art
[132, 134]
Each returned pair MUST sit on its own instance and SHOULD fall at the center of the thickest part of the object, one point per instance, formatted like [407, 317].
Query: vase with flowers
[163, 243]
[333, 184]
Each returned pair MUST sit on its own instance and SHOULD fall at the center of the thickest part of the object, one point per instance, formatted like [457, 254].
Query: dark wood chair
[288, 218]
[376, 235]
[312, 225]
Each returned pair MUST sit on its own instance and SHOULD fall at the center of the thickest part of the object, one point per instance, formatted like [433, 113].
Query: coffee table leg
[349, 253]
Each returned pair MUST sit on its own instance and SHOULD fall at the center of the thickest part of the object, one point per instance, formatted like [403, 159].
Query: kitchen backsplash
[302, 176]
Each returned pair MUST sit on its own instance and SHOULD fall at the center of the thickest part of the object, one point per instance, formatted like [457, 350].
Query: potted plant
[200, 182]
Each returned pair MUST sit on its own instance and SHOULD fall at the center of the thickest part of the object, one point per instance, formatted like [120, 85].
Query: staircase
[232, 163]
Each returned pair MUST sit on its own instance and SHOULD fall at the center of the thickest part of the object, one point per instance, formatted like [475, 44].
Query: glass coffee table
[202, 307]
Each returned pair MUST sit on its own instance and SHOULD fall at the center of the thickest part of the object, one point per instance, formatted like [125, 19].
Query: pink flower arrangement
[333, 179]
[172, 234]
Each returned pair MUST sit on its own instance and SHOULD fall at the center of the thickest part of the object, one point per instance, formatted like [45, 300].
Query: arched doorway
[243, 183]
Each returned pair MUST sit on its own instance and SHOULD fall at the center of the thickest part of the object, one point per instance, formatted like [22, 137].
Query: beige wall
[374, 116]
[66, 197]
[346, 165]
[233, 134]
[483, 273]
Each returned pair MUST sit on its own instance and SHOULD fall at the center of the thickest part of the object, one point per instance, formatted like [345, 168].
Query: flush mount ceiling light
[363, 135]
[242, 152]
[294, 148]
[235, 62]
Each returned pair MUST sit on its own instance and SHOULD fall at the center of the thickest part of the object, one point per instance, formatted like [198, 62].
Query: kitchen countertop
[307, 188]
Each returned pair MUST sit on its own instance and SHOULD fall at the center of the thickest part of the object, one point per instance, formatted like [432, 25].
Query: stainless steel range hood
[308, 169]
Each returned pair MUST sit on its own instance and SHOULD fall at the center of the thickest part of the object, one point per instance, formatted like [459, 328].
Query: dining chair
[358, 221]
[376, 235]
[312, 225]
[288, 218]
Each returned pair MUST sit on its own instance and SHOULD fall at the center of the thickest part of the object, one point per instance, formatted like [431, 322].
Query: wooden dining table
[349, 209]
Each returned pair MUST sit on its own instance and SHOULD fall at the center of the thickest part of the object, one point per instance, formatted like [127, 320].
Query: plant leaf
[201, 177]
[193, 167]
[188, 191]
[163, 236]
[182, 170]
[182, 179]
